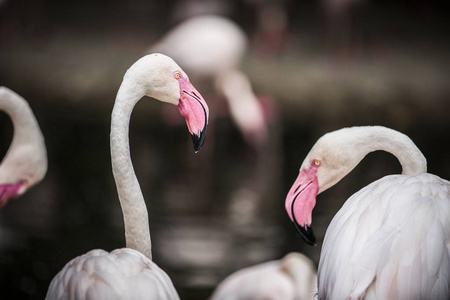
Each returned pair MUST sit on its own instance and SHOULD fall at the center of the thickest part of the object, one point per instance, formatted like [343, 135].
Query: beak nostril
[297, 188]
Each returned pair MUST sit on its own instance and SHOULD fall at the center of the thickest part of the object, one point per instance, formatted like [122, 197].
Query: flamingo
[213, 49]
[130, 273]
[293, 277]
[25, 163]
[344, 21]
[391, 239]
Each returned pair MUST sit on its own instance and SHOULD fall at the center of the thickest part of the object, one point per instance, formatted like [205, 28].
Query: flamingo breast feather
[120, 274]
[390, 240]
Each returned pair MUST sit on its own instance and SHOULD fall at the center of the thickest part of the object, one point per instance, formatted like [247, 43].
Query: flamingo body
[390, 240]
[291, 278]
[121, 274]
[205, 45]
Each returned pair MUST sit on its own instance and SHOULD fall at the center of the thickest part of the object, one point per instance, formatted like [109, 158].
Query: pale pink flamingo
[390, 240]
[213, 49]
[130, 273]
[25, 163]
[272, 34]
[293, 277]
[344, 25]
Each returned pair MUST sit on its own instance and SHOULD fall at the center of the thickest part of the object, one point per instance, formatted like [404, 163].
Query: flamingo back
[390, 240]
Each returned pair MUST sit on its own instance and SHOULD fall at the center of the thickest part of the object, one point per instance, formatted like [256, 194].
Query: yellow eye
[177, 75]
[317, 163]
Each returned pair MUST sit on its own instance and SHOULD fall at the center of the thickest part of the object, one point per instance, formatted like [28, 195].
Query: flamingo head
[322, 168]
[194, 109]
[21, 169]
[332, 157]
[159, 76]
[301, 199]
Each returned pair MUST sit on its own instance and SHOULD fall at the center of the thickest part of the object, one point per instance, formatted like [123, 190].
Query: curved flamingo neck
[26, 128]
[137, 231]
[27, 143]
[342, 150]
[375, 138]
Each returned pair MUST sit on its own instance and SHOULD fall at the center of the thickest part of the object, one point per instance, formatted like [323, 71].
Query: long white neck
[342, 150]
[137, 232]
[375, 138]
[26, 158]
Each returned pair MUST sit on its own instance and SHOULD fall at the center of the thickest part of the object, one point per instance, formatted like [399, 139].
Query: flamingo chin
[194, 109]
[301, 200]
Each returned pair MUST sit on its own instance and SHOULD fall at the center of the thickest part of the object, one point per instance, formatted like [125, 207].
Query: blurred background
[314, 66]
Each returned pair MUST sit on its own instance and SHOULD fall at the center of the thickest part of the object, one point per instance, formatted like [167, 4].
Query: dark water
[223, 208]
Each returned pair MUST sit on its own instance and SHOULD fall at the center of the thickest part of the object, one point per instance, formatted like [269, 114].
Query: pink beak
[300, 202]
[194, 109]
[8, 191]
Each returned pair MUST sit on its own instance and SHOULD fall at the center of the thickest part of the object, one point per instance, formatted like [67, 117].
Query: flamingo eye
[177, 75]
[317, 162]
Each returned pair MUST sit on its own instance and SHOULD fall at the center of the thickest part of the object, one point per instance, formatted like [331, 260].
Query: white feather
[122, 274]
[405, 250]
[391, 239]
[292, 278]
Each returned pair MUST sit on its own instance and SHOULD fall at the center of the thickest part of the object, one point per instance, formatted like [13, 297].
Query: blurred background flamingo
[293, 277]
[345, 30]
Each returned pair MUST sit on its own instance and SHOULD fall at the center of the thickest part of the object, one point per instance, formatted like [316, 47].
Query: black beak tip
[198, 140]
[307, 234]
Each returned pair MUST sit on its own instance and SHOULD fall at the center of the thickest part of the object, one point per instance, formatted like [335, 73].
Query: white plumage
[130, 273]
[120, 274]
[25, 163]
[390, 240]
[205, 46]
[291, 278]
